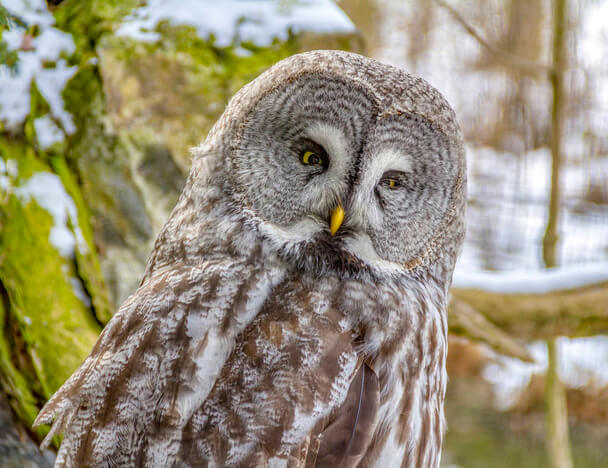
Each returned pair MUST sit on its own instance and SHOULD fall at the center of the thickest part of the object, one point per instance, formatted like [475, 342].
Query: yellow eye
[392, 180]
[392, 183]
[312, 158]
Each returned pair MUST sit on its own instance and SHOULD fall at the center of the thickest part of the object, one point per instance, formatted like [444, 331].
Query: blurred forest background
[100, 102]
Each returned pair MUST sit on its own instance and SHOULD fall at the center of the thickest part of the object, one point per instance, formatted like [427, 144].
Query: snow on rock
[30, 11]
[47, 132]
[12, 168]
[8, 172]
[48, 191]
[580, 364]
[533, 281]
[258, 21]
[4, 179]
[50, 83]
[33, 63]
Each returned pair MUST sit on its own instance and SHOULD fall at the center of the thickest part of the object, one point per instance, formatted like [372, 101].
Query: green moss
[88, 20]
[17, 388]
[48, 330]
[57, 328]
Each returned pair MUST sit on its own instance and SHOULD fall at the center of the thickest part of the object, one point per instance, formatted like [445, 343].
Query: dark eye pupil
[314, 155]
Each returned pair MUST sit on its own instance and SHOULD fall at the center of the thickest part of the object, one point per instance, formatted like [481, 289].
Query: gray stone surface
[17, 449]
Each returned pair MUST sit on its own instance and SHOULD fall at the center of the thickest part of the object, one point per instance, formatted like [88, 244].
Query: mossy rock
[46, 313]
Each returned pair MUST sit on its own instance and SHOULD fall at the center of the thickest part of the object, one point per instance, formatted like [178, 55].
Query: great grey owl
[293, 311]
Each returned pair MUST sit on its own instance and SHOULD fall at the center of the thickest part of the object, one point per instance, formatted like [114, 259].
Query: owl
[293, 311]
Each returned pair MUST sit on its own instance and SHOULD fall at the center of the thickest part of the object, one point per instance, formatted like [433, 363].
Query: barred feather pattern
[289, 369]
[256, 338]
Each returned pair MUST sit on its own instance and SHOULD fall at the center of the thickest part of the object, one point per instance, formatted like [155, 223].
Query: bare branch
[524, 65]
[467, 322]
[574, 312]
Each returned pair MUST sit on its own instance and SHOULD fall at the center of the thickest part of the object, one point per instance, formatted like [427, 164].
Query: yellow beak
[337, 216]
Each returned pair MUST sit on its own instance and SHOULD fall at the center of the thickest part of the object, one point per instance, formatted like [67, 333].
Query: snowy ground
[532, 281]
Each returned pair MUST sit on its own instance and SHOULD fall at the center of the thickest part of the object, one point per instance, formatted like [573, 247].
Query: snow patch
[4, 180]
[33, 63]
[47, 132]
[12, 169]
[532, 282]
[48, 191]
[50, 83]
[8, 171]
[30, 11]
[79, 291]
[258, 21]
[51, 42]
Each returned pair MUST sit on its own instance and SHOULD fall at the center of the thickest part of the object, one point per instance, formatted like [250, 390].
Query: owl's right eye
[314, 155]
[312, 158]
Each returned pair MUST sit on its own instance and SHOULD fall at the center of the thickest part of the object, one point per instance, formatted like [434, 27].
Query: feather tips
[344, 442]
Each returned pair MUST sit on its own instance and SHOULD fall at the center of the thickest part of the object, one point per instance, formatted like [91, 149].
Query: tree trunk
[558, 443]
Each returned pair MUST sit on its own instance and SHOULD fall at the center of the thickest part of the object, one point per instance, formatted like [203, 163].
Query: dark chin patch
[326, 255]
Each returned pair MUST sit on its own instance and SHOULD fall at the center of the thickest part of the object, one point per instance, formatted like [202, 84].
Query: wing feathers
[155, 362]
[345, 440]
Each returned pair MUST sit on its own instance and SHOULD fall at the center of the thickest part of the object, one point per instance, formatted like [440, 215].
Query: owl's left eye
[391, 183]
[391, 180]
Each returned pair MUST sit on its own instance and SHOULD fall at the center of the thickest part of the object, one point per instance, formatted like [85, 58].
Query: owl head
[343, 165]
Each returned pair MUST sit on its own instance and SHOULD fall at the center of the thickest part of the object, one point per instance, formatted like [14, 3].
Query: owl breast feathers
[293, 311]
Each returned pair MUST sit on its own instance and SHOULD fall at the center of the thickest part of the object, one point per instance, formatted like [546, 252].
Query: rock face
[99, 105]
[17, 450]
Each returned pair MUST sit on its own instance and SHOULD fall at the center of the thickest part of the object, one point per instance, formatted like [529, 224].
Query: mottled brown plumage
[257, 338]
